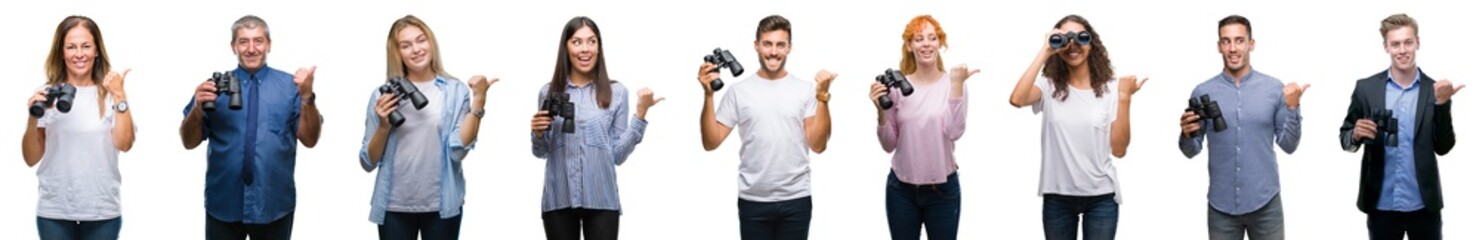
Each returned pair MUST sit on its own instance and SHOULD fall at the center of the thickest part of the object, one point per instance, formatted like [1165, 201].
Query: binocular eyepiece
[59, 95]
[559, 105]
[1386, 126]
[1060, 40]
[723, 59]
[402, 90]
[226, 84]
[1208, 110]
[890, 79]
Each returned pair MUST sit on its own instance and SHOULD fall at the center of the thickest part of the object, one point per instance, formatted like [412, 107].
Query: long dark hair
[1100, 71]
[563, 68]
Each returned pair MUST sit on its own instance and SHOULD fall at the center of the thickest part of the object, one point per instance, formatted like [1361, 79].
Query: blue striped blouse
[580, 167]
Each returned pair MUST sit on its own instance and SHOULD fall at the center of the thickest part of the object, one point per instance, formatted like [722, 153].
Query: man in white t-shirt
[780, 117]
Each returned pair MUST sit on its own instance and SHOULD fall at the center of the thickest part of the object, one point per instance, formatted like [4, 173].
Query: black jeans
[568, 223]
[1418, 225]
[936, 207]
[783, 220]
[280, 229]
[431, 226]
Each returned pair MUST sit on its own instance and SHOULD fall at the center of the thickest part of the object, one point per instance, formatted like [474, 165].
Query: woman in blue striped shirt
[583, 133]
[420, 188]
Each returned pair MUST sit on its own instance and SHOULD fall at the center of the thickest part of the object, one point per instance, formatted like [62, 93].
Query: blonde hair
[907, 64]
[394, 65]
[1397, 21]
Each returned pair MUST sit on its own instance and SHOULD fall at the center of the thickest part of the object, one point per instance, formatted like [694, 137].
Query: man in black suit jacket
[1400, 191]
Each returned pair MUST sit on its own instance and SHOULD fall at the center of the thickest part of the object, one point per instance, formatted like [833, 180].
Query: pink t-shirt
[921, 130]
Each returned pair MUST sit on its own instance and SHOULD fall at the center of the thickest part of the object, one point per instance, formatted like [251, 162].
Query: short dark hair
[773, 23]
[1235, 19]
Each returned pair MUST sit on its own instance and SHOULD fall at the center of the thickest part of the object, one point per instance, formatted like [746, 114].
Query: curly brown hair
[1100, 71]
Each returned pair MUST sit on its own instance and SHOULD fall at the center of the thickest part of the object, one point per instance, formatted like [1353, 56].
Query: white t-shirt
[771, 117]
[416, 181]
[78, 173]
[1076, 156]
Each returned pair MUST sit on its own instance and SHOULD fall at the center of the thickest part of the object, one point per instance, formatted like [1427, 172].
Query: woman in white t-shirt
[1086, 123]
[419, 146]
[74, 143]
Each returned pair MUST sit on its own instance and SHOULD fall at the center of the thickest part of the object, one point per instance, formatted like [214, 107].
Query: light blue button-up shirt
[580, 167]
[1241, 162]
[455, 107]
[1399, 190]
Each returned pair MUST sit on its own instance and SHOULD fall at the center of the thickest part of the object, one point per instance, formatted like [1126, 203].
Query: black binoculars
[722, 59]
[560, 105]
[1386, 126]
[402, 90]
[1207, 110]
[226, 84]
[1061, 39]
[59, 95]
[892, 78]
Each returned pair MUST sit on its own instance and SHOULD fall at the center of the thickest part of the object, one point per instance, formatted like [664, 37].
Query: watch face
[122, 106]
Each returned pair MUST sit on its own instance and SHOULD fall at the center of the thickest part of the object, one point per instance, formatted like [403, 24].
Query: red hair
[915, 26]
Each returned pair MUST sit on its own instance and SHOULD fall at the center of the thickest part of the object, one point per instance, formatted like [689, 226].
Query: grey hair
[249, 21]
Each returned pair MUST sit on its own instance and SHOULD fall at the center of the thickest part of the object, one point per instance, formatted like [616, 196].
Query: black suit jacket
[1433, 136]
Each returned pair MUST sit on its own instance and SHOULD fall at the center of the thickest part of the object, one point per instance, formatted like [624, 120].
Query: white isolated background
[671, 188]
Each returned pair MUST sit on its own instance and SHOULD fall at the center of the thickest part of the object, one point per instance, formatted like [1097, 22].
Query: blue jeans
[281, 228]
[936, 206]
[1060, 216]
[783, 220]
[56, 229]
[1266, 223]
[429, 225]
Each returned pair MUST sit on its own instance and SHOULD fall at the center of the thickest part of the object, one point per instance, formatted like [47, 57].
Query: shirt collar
[1246, 78]
[250, 76]
[571, 84]
[1416, 78]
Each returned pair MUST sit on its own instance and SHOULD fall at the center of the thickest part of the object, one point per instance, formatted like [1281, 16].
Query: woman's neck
[926, 73]
[80, 81]
[579, 79]
[1080, 76]
[421, 75]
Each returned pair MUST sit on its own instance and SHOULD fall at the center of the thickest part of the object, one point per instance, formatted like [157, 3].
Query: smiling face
[1402, 44]
[79, 51]
[1234, 43]
[1072, 53]
[415, 48]
[251, 46]
[773, 47]
[925, 45]
[583, 48]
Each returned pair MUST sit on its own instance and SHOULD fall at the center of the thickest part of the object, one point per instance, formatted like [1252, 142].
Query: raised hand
[113, 83]
[960, 73]
[824, 80]
[707, 74]
[1444, 90]
[304, 79]
[1292, 92]
[1128, 85]
[645, 101]
[479, 84]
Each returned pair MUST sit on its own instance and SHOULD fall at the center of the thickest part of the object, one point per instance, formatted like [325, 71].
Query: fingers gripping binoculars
[722, 59]
[1208, 110]
[59, 95]
[226, 84]
[1386, 126]
[1059, 40]
[560, 105]
[402, 90]
[892, 78]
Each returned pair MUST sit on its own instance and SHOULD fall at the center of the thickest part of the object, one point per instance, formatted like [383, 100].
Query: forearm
[1023, 93]
[309, 124]
[707, 125]
[1443, 119]
[1190, 146]
[1290, 129]
[888, 135]
[191, 133]
[32, 147]
[123, 131]
[471, 123]
[376, 147]
[821, 128]
[1119, 136]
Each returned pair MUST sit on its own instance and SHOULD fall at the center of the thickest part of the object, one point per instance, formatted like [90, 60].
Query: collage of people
[575, 120]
